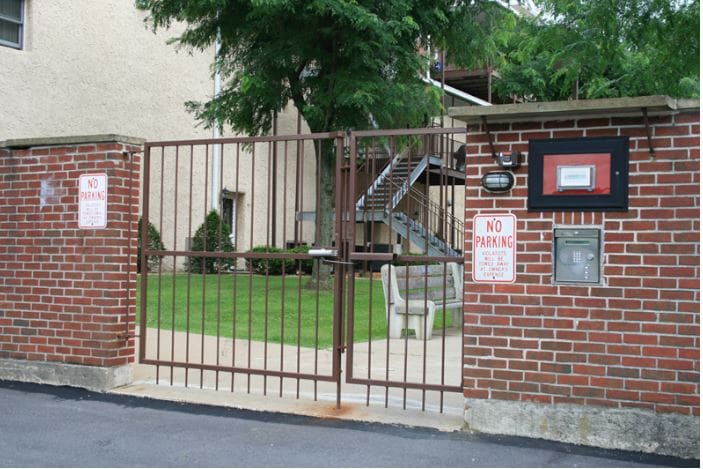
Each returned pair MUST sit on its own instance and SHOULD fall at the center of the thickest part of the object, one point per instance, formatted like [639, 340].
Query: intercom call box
[577, 255]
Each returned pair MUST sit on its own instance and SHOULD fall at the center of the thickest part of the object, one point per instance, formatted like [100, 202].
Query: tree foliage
[604, 48]
[338, 61]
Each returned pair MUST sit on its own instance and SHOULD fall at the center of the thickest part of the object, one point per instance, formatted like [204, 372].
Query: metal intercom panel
[577, 255]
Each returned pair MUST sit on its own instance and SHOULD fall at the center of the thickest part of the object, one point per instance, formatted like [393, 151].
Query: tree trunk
[326, 157]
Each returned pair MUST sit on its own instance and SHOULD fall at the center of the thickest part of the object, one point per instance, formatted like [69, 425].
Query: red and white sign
[494, 248]
[92, 201]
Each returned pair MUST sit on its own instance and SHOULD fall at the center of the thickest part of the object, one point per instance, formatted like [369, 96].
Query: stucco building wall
[94, 67]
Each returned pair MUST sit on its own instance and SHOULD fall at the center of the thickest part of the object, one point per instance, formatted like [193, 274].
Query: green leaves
[604, 48]
[339, 61]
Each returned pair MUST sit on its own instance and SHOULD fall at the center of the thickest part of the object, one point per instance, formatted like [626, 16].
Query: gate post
[67, 290]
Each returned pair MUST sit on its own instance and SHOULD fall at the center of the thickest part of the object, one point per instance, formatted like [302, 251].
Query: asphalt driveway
[59, 426]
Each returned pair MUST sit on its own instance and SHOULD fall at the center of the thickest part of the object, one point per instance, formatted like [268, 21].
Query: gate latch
[322, 252]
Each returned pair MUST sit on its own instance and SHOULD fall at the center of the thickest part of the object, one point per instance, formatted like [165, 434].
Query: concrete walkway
[298, 396]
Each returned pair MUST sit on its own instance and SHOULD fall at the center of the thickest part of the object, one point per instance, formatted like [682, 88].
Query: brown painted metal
[171, 355]
[433, 139]
[263, 154]
[144, 257]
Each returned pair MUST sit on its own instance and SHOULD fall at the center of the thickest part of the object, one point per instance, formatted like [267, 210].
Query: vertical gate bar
[391, 173]
[251, 270]
[445, 186]
[174, 278]
[406, 181]
[283, 242]
[296, 240]
[274, 180]
[297, 222]
[300, 165]
[339, 271]
[158, 295]
[372, 235]
[144, 246]
[203, 271]
[429, 329]
[219, 262]
[318, 155]
[350, 195]
[268, 264]
[234, 274]
[366, 177]
[190, 252]
[316, 267]
[300, 298]
[427, 216]
[318, 262]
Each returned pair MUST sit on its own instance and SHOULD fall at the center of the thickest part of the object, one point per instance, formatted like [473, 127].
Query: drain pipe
[216, 133]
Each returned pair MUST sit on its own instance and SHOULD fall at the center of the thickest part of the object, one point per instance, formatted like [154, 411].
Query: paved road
[60, 426]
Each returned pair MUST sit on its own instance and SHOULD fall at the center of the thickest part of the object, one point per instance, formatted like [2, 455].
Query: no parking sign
[494, 248]
[92, 201]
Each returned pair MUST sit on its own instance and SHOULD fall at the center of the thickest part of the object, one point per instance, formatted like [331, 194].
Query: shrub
[263, 266]
[211, 236]
[306, 265]
[155, 244]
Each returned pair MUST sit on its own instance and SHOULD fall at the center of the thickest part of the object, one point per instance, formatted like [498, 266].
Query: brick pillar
[614, 364]
[67, 296]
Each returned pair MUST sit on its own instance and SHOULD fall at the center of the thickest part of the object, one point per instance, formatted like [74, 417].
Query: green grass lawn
[307, 315]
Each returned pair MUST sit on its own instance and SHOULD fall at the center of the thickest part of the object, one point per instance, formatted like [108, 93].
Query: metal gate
[405, 225]
[268, 293]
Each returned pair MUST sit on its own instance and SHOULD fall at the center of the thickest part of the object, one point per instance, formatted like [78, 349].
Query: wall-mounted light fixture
[498, 181]
[508, 160]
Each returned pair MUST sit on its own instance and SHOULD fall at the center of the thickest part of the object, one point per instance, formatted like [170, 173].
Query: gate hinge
[127, 336]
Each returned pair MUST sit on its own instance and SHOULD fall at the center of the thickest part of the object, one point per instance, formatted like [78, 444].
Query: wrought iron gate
[240, 300]
[404, 226]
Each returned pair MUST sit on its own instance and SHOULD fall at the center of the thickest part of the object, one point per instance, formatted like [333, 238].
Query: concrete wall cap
[573, 109]
[70, 140]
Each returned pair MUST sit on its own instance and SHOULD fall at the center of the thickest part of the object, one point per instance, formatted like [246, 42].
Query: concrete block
[605, 427]
[95, 378]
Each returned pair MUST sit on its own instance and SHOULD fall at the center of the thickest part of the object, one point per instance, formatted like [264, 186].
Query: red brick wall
[67, 294]
[632, 342]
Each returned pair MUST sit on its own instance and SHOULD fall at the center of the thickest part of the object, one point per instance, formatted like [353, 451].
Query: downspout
[216, 133]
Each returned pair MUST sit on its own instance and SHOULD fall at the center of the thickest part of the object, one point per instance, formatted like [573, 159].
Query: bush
[306, 265]
[217, 233]
[276, 266]
[155, 244]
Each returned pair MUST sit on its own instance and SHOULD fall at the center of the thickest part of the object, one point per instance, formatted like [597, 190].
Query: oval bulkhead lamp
[498, 181]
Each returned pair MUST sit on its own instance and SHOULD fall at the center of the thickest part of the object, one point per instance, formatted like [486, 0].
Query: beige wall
[91, 67]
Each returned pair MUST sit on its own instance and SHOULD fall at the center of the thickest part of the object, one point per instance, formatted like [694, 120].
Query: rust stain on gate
[241, 305]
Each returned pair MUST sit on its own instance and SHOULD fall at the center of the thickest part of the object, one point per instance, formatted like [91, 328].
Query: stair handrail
[409, 181]
[434, 211]
[379, 179]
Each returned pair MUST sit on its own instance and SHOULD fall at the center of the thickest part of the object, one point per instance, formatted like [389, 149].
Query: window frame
[15, 45]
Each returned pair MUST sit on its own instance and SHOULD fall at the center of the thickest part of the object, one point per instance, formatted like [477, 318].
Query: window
[11, 18]
[229, 213]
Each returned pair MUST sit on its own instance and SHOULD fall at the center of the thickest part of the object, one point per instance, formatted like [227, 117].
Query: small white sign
[494, 248]
[575, 177]
[92, 201]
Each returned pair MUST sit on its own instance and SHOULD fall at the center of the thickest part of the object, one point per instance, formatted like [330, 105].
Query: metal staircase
[430, 228]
